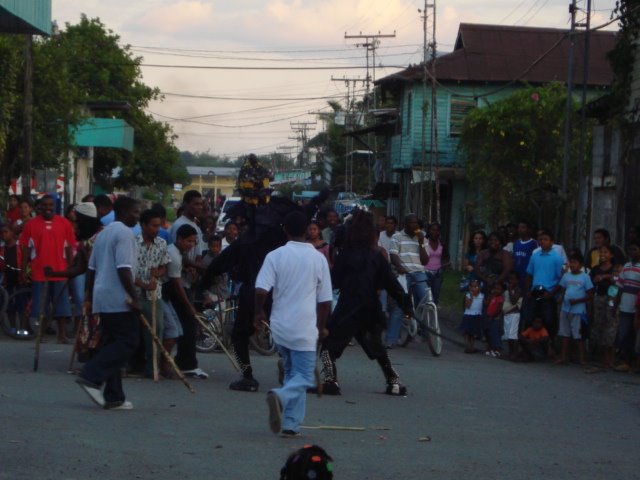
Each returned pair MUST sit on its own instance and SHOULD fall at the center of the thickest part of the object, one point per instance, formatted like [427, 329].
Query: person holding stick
[111, 292]
[300, 280]
[153, 258]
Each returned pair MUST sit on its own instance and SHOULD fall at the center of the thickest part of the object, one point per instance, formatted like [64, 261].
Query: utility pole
[371, 43]
[567, 122]
[28, 116]
[581, 226]
[302, 128]
[429, 52]
[349, 125]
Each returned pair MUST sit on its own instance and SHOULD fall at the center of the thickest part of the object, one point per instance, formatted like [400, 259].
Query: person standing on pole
[300, 280]
[112, 294]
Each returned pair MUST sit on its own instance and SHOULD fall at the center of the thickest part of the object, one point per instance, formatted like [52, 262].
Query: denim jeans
[435, 282]
[394, 324]
[299, 370]
[417, 284]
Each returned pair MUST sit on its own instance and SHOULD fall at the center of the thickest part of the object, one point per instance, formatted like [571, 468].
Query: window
[460, 108]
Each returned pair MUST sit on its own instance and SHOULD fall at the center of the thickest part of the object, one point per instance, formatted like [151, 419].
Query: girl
[605, 322]
[437, 260]
[493, 319]
[471, 325]
[477, 243]
[314, 237]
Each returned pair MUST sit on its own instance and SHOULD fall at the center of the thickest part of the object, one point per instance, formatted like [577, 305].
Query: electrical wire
[251, 99]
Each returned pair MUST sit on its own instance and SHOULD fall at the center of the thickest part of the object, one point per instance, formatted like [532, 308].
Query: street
[466, 416]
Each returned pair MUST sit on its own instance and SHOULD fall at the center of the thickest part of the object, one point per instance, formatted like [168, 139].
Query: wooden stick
[164, 352]
[74, 351]
[334, 427]
[154, 347]
[213, 334]
[41, 327]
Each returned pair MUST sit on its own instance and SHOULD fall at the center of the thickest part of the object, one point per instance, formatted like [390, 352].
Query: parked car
[226, 206]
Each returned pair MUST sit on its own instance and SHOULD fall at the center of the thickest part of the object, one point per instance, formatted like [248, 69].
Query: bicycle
[424, 323]
[220, 319]
[15, 309]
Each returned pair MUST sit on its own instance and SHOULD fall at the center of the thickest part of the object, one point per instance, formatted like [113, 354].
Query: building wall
[209, 183]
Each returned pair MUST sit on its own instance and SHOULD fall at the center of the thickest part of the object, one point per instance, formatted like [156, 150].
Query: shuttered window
[460, 108]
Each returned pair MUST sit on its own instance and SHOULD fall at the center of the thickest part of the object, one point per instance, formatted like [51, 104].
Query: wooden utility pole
[28, 116]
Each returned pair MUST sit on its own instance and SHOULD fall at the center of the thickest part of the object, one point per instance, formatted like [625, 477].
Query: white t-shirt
[476, 305]
[174, 267]
[300, 279]
[384, 241]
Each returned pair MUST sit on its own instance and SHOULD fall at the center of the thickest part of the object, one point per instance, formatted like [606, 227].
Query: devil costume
[359, 273]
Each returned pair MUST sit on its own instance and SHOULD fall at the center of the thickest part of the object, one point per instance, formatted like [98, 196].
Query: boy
[522, 250]
[219, 287]
[534, 341]
[625, 304]
[577, 291]
[175, 290]
[511, 313]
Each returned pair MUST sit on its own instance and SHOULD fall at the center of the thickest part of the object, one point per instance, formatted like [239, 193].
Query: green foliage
[622, 59]
[514, 149]
[84, 63]
[205, 159]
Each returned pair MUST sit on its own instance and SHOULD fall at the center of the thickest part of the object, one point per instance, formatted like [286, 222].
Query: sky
[253, 104]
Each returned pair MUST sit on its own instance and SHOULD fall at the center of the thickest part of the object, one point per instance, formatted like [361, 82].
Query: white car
[226, 206]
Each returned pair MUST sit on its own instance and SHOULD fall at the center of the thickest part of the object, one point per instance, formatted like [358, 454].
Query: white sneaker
[126, 405]
[94, 393]
[196, 373]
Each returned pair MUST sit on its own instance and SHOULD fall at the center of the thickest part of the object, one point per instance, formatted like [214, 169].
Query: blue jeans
[417, 284]
[394, 324]
[299, 370]
[435, 282]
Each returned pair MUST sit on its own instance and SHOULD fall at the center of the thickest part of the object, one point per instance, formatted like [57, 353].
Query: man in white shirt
[299, 277]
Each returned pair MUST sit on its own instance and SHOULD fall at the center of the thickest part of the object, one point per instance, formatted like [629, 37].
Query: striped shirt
[629, 282]
[408, 249]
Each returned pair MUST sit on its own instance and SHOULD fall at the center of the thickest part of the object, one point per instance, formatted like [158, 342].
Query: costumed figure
[243, 259]
[360, 271]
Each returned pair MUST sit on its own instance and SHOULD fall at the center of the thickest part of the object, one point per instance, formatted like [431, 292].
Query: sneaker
[196, 373]
[623, 367]
[331, 388]
[490, 353]
[275, 412]
[290, 434]
[396, 389]
[126, 405]
[92, 390]
[245, 385]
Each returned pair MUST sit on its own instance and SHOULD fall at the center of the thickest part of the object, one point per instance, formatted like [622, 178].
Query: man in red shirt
[48, 241]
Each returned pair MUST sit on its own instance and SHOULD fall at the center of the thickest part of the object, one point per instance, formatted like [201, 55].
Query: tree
[85, 63]
[514, 150]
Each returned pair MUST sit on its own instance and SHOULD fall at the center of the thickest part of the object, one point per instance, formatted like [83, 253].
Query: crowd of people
[533, 297]
[113, 262]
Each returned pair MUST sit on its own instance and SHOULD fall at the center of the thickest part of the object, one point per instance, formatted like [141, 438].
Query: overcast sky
[253, 109]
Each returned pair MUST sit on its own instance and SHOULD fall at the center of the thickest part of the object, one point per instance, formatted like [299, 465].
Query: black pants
[365, 323]
[545, 308]
[119, 341]
[186, 354]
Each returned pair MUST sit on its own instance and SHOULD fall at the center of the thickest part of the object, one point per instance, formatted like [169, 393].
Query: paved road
[485, 418]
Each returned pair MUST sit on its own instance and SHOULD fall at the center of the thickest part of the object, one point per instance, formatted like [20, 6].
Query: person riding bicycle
[408, 257]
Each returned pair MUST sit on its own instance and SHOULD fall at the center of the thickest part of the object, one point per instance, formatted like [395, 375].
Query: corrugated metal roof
[218, 171]
[496, 53]
[25, 16]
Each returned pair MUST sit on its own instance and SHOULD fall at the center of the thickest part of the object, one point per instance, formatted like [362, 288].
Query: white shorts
[511, 325]
[570, 324]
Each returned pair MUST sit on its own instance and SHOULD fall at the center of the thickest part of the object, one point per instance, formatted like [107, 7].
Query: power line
[229, 67]
[343, 49]
[250, 99]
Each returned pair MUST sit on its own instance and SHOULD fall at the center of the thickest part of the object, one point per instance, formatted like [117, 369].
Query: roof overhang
[25, 16]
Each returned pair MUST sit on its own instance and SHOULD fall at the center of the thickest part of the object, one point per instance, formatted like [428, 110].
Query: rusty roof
[497, 54]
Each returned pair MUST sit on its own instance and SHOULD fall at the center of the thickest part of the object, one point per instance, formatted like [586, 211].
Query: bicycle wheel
[408, 331]
[262, 342]
[432, 332]
[15, 312]
[206, 342]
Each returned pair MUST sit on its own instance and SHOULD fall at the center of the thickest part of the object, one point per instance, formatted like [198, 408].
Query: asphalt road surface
[466, 416]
